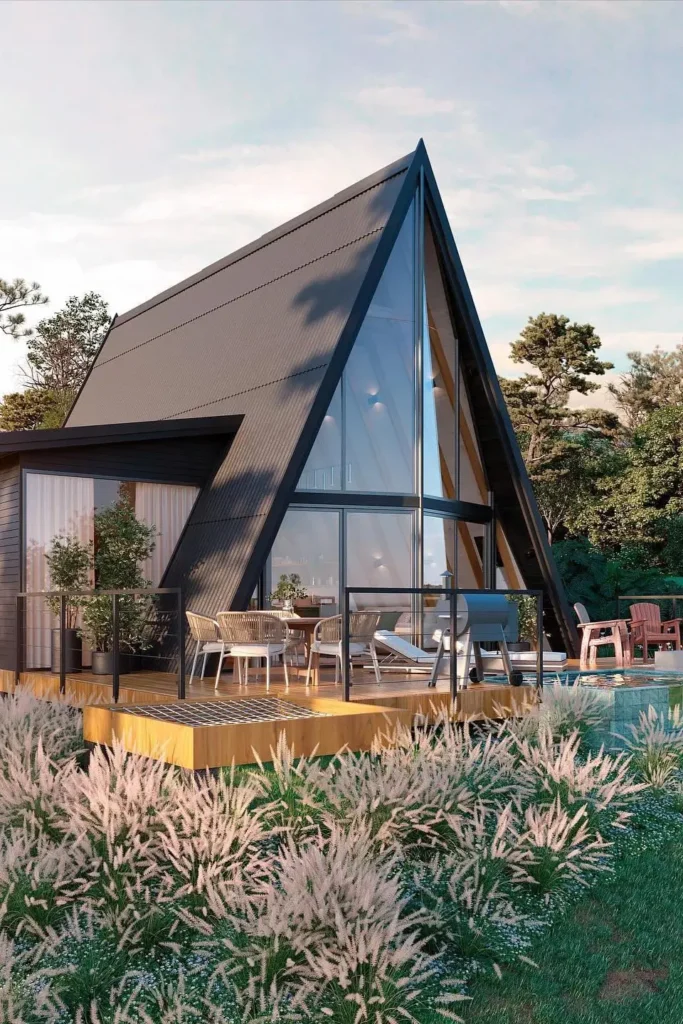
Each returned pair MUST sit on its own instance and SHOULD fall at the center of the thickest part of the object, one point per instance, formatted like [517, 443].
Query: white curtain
[55, 505]
[167, 507]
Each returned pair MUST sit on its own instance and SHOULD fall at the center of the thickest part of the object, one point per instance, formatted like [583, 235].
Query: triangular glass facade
[367, 442]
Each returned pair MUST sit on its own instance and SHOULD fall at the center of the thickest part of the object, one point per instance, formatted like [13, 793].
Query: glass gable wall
[370, 426]
[392, 431]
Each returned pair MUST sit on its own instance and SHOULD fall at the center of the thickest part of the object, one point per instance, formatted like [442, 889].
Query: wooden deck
[374, 711]
[396, 691]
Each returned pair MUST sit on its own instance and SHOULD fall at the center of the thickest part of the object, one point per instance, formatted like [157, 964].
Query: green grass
[616, 958]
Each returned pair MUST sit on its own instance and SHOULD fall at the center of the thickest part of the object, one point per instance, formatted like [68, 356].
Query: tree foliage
[597, 578]
[24, 410]
[59, 354]
[16, 296]
[653, 381]
[563, 356]
[610, 493]
[61, 350]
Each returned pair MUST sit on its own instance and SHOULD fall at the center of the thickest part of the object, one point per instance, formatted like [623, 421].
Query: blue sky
[143, 140]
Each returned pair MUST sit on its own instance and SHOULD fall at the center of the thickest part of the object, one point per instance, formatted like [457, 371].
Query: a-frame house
[344, 410]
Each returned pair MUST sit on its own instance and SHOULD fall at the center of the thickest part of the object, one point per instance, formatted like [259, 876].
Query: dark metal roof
[265, 333]
[17, 441]
[254, 334]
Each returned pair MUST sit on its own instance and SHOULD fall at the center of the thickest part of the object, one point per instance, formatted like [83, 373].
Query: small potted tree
[69, 562]
[122, 544]
[289, 590]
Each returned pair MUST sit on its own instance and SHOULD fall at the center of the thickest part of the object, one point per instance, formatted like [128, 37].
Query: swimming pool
[625, 695]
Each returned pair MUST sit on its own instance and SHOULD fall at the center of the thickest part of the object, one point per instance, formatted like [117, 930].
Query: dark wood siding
[10, 570]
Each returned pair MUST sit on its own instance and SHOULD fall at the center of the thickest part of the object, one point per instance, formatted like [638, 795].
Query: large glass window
[324, 466]
[370, 425]
[438, 551]
[308, 545]
[60, 505]
[379, 549]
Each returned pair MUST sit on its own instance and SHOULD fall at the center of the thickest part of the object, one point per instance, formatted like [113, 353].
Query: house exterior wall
[10, 560]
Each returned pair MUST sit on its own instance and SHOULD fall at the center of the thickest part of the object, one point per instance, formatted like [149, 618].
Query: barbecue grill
[480, 618]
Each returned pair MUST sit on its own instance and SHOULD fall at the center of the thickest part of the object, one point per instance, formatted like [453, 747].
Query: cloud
[407, 101]
[616, 344]
[401, 17]
[661, 231]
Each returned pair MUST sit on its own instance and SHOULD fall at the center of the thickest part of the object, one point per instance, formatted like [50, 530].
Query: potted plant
[526, 612]
[69, 562]
[289, 590]
[122, 543]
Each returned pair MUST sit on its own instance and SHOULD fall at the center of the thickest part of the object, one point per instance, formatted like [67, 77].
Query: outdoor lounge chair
[648, 630]
[606, 633]
[525, 661]
[403, 654]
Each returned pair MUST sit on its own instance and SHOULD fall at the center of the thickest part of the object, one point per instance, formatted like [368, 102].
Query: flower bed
[362, 887]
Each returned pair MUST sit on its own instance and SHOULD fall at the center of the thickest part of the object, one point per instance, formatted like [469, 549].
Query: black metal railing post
[181, 645]
[540, 637]
[453, 642]
[62, 644]
[346, 666]
[115, 648]
[20, 636]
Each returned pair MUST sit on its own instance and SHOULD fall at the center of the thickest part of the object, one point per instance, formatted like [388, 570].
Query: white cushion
[256, 650]
[320, 647]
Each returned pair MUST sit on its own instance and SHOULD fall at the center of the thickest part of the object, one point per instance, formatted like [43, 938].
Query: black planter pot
[103, 663]
[73, 650]
[523, 645]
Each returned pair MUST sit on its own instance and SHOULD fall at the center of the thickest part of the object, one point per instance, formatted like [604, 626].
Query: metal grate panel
[224, 712]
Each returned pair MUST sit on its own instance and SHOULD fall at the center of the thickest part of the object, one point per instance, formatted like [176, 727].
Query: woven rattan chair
[205, 632]
[255, 635]
[297, 637]
[327, 639]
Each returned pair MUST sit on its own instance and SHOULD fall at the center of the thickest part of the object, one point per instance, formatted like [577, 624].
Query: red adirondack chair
[647, 628]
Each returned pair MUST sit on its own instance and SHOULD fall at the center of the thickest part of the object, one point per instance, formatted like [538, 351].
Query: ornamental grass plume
[466, 903]
[656, 746]
[122, 796]
[39, 878]
[210, 831]
[80, 968]
[287, 793]
[34, 787]
[602, 783]
[22, 1000]
[562, 847]
[409, 789]
[329, 930]
[487, 845]
[572, 709]
[25, 722]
